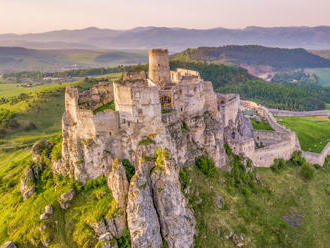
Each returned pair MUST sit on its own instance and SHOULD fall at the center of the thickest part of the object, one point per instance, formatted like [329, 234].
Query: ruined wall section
[278, 112]
[100, 94]
[86, 150]
[228, 105]
[180, 74]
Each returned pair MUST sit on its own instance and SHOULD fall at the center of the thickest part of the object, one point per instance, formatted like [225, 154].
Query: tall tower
[159, 67]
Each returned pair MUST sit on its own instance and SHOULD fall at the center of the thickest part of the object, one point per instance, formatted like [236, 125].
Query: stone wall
[179, 75]
[228, 105]
[278, 112]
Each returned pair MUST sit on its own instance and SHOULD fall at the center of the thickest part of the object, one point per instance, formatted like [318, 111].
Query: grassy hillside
[261, 207]
[14, 59]
[278, 58]
[313, 132]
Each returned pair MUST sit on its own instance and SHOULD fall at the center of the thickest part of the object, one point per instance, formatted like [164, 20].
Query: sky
[31, 16]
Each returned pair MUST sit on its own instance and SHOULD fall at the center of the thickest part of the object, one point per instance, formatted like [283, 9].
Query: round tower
[159, 66]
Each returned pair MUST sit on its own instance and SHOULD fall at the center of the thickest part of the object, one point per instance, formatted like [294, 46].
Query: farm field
[323, 74]
[313, 132]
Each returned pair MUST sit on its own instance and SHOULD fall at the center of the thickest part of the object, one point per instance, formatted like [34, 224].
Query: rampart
[293, 144]
[278, 112]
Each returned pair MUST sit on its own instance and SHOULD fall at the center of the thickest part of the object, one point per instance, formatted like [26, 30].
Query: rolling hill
[14, 59]
[175, 39]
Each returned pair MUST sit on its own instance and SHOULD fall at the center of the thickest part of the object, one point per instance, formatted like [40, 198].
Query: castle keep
[164, 120]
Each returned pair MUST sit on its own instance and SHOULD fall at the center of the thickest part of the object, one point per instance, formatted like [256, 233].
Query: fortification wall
[278, 112]
[179, 74]
[241, 146]
[138, 105]
[228, 105]
[269, 137]
[317, 158]
[264, 157]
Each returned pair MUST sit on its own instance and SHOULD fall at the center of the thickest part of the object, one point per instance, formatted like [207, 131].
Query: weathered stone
[118, 184]
[9, 244]
[44, 216]
[27, 185]
[141, 214]
[176, 219]
[66, 198]
[48, 210]
[219, 200]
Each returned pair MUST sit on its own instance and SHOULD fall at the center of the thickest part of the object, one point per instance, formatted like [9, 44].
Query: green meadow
[313, 132]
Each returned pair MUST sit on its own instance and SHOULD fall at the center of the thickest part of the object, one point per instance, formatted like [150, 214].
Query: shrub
[147, 141]
[307, 171]
[129, 168]
[125, 240]
[228, 150]
[279, 164]
[95, 183]
[206, 166]
[185, 126]
[297, 159]
[184, 178]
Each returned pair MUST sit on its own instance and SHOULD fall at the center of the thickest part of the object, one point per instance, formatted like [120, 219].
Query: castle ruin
[168, 116]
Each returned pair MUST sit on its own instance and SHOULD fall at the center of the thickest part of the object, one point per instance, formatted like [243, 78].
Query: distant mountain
[253, 55]
[14, 59]
[175, 39]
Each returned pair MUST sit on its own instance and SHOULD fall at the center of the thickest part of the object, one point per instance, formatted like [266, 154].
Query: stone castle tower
[159, 68]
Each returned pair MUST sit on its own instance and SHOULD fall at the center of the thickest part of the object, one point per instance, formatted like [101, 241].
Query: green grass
[256, 209]
[323, 74]
[69, 228]
[313, 132]
[109, 105]
[327, 106]
[44, 108]
[261, 125]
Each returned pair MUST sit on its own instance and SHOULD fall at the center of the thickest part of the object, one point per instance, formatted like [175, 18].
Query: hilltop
[14, 59]
[253, 55]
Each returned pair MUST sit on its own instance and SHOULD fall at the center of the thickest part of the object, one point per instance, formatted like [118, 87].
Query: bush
[206, 166]
[278, 165]
[184, 178]
[95, 183]
[297, 159]
[125, 240]
[185, 126]
[307, 171]
[129, 168]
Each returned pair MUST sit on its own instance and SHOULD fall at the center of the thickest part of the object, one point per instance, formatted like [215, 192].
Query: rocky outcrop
[27, 185]
[176, 219]
[142, 216]
[37, 149]
[48, 212]
[118, 184]
[66, 198]
[9, 244]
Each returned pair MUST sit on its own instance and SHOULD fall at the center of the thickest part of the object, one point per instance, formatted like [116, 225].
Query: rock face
[142, 216]
[118, 184]
[176, 219]
[9, 244]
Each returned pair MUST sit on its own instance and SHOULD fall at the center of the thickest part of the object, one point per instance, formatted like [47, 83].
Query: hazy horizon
[35, 16]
